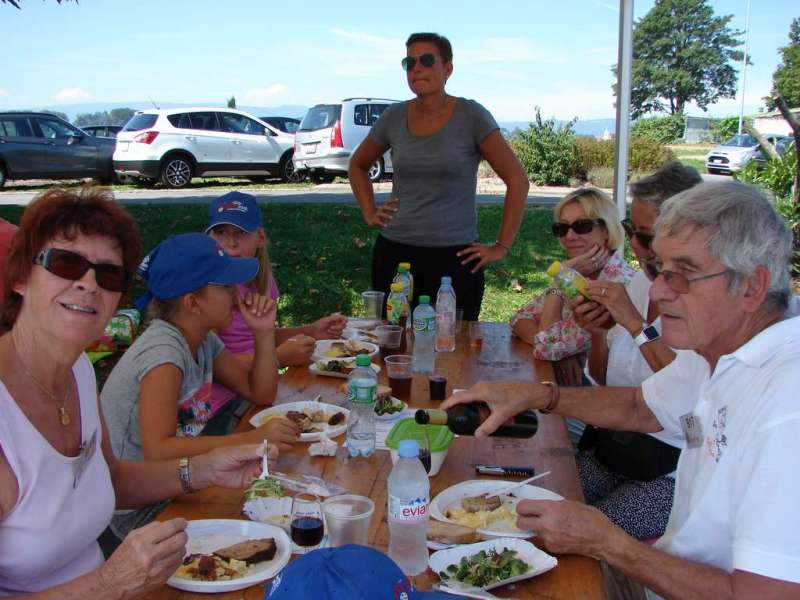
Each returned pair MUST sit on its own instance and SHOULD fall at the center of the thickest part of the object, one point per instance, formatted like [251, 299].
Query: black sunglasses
[426, 60]
[677, 282]
[581, 226]
[644, 239]
[73, 266]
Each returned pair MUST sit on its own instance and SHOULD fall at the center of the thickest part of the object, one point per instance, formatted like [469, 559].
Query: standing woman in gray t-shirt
[437, 142]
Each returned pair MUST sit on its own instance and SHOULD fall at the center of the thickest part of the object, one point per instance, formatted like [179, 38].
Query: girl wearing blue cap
[157, 399]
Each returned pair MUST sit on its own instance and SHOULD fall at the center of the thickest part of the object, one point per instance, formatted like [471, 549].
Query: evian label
[408, 511]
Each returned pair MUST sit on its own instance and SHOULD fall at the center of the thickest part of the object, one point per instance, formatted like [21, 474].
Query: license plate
[310, 148]
[716, 160]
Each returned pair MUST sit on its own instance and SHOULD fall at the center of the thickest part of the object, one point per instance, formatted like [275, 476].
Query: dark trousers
[428, 266]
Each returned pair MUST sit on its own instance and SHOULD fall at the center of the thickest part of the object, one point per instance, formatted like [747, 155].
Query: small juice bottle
[567, 280]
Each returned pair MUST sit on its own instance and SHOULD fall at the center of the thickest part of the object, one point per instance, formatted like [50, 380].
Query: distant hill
[73, 110]
[593, 127]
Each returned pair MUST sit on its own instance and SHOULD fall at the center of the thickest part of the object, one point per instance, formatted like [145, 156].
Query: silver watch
[647, 334]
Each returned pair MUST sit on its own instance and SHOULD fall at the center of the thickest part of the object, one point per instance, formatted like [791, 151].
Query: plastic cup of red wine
[398, 370]
[438, 386]
[307, 528]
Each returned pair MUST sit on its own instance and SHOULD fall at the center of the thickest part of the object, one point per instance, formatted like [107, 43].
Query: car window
[375, 111]
[233, 123]
[320, 117]
[180, 120]
[741, 140]
[15, 127]
[140, 121]
[290, 126]
[54, 130]
[361, 114]
[206, 121]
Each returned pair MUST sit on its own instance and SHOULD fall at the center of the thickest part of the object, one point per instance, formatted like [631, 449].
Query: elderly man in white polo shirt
[733, 405]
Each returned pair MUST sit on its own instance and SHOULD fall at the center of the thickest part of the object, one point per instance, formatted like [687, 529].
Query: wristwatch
[648, 334]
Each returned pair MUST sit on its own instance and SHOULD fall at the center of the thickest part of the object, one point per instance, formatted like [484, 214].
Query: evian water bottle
[409, 497]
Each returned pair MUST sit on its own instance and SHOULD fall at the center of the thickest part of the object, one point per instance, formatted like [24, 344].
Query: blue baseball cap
[346, 573]
[184, 263]
[237, 209]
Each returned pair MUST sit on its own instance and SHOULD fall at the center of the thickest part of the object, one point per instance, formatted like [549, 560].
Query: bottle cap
[362, 360]
[424, 299]
[405, 265]
[402, 268]
[408, 449]
[397, 287]
[553, 269]
[447, 280]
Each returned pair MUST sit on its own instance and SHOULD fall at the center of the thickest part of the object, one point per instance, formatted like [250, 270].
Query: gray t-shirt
[161, 343]
[435, 176]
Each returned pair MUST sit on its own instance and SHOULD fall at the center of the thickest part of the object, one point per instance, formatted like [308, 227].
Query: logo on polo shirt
[717, 442]
[233, 205]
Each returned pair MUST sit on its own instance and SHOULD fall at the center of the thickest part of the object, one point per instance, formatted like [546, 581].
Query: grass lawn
[321, 254]
[697, 163]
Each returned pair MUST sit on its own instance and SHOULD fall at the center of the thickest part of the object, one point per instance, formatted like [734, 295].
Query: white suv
[330, 133]
[174, 145]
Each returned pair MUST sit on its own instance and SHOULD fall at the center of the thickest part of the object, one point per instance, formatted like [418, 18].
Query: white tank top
[50, 535]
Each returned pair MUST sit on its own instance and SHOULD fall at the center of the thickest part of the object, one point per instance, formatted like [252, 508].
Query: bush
[591, 153]
[645, 155]
[648, 155]
[659, 129]
[602, 177]
[724, 129]
[776, 177]
[546, 151]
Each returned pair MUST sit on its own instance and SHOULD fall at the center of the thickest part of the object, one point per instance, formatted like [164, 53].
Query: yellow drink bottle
[567, 280]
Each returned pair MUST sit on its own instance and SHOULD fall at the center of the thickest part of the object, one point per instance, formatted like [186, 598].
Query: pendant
[65, 420]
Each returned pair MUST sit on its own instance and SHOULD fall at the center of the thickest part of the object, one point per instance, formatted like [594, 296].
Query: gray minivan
[329, 134]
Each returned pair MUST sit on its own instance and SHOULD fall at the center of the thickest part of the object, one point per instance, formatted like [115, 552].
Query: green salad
[385, 406]
[486, 568]
[264, 487]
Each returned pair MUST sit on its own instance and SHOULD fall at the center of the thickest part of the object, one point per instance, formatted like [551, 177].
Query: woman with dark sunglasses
[68, 269]
[588, 229]
[627, 475]
[437, 142]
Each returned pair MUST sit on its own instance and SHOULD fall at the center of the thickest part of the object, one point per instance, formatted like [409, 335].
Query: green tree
[58, 114]
[786, 79]
[232, 102]
[117, 116]
[682, 52]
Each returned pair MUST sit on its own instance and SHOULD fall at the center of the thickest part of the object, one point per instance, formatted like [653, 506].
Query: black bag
[629, 453]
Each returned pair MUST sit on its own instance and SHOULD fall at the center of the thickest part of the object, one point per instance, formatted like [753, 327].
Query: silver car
[734, 154]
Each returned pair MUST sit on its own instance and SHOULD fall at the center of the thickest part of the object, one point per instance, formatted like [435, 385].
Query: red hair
[66, 214]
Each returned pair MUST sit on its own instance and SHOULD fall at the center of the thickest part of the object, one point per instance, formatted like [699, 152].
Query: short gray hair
[672, 178]
[745, 231]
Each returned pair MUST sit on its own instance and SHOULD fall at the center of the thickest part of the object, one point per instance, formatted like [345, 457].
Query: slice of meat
[473, 504]
[336, 418]
[207, 567]
[251, 551]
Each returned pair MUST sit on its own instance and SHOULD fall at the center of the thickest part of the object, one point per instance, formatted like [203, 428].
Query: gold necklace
[63, 414]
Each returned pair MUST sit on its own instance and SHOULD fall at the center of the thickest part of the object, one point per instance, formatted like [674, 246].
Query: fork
[466, 592]
[513, 486]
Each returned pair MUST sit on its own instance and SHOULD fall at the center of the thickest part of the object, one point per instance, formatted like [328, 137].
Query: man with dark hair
[441, 43]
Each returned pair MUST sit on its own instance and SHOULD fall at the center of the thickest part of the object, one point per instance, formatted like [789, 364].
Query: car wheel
[287, 168]
[323, 177]
[176, 171]
[376, 171]
[3, 176]
[711, 171]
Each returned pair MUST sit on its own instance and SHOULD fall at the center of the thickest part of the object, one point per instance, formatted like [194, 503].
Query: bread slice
[451, 533]
[473, 504]
[251, 551]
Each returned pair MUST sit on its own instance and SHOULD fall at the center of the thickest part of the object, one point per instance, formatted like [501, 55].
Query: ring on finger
[603, 292]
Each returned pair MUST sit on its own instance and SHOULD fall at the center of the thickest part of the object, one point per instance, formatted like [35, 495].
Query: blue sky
[509, 55]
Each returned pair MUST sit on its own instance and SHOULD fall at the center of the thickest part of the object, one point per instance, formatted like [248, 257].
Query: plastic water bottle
[407, 267]
[362, 391]
[424, 336]
[409, 498]
[446, 317]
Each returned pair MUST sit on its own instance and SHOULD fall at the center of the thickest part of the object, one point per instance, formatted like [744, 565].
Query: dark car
[287, 124]
[103, 131]
[42, 146]
[781, 145]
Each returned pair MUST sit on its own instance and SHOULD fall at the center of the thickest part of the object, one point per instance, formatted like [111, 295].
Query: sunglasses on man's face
[644, 239]
[581, 226]
[426, 60]
[677, 282]
[73, 266]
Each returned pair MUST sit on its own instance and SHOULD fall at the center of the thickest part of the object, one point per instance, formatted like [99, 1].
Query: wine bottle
[464, 419]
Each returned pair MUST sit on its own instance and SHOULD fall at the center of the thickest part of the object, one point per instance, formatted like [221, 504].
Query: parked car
[287, 124]
[781, 146]
[173, 145]
[37, 145]
[734, 154]
[103, 131]
[329, 134]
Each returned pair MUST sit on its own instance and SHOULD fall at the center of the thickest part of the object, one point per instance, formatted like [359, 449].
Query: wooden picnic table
[501, 357]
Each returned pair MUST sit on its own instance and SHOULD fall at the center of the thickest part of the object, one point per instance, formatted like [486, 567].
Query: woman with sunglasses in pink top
[437, 142]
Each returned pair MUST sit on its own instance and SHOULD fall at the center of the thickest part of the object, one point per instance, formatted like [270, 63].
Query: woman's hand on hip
[147, 557]
[383, 213]
[481, 255]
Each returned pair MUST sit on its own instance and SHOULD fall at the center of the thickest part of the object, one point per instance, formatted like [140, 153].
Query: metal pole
[623, 126]
[744, 64]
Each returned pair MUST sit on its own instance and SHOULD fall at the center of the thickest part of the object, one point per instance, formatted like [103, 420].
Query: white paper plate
[453, 495]
[281, 409]
[394, 415]
[322, 345]
[315, 370]
[270, 510]
[539, 561]
[207, 535]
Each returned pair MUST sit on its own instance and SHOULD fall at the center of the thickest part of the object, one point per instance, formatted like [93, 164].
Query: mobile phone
[504, 470]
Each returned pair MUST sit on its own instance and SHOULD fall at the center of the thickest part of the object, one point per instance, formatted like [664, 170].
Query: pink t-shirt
[64, 503]
[238, 339]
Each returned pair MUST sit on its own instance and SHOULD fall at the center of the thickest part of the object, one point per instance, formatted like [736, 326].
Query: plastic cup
[398, 370]
[347, 519]
[373, 304]
[459, 319]
[475, 335]
[389, 339]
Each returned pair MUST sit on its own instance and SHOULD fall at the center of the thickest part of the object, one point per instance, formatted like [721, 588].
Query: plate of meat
[313, 418]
